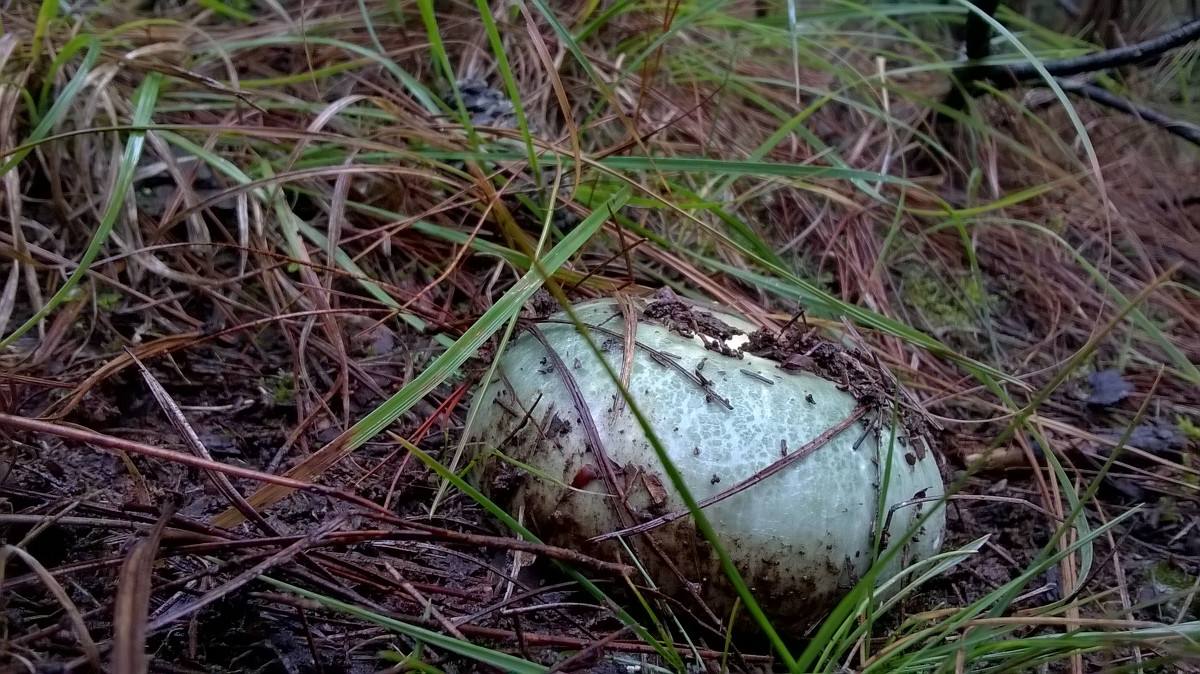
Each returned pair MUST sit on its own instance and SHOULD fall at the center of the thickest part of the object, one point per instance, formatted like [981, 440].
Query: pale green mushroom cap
[800, 538]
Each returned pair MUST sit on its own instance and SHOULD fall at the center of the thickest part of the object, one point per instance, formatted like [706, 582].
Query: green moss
[283, 389]
[942, 305]
[1166, 574]
[1188, 428]
[107, 301]
[1168, 510]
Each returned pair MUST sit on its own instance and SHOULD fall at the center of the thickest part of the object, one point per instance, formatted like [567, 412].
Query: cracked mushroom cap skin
[801, 538]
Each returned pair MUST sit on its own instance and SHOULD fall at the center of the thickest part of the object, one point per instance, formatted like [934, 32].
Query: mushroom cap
[800, 538]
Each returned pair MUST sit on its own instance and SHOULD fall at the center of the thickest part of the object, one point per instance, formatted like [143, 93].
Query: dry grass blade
[185, 430]
[629, 316]
[134, 585]
[120, 362]
[281, 557]
[91, 652]
[560, 93]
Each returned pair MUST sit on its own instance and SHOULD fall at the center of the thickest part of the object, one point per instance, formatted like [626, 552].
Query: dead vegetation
[201, 421]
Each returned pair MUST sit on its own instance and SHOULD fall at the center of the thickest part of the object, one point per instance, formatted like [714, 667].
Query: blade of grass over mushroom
[486, 656]
[881, 508]
[144, 100]
[698, 516]
[441, 368]
[469, 424]
[664, 648]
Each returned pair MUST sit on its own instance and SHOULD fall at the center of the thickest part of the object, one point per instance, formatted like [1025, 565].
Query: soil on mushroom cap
[799, 348]
[682, 318]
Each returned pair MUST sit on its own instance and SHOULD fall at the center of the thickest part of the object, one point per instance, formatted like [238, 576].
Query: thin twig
[1185, 130]
[1005, 76]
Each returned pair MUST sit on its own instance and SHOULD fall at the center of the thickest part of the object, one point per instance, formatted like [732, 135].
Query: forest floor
[253, 247]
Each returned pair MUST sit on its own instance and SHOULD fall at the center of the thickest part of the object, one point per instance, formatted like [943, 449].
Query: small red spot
[584, 477]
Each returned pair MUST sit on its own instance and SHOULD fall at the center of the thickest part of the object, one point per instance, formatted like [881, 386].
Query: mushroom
[791, 460]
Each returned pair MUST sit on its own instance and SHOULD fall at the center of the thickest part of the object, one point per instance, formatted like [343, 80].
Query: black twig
[1185, 130]
[978, 34]
[1010, 75]
[977, 38]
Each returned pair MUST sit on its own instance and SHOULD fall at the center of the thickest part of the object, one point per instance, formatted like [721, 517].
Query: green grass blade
[144, 100]
[510, 83]
[502, 661]
[47, 13]
[225, 10]
[491, 321]
[698, 516]
[64, 101]
[412, 84]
